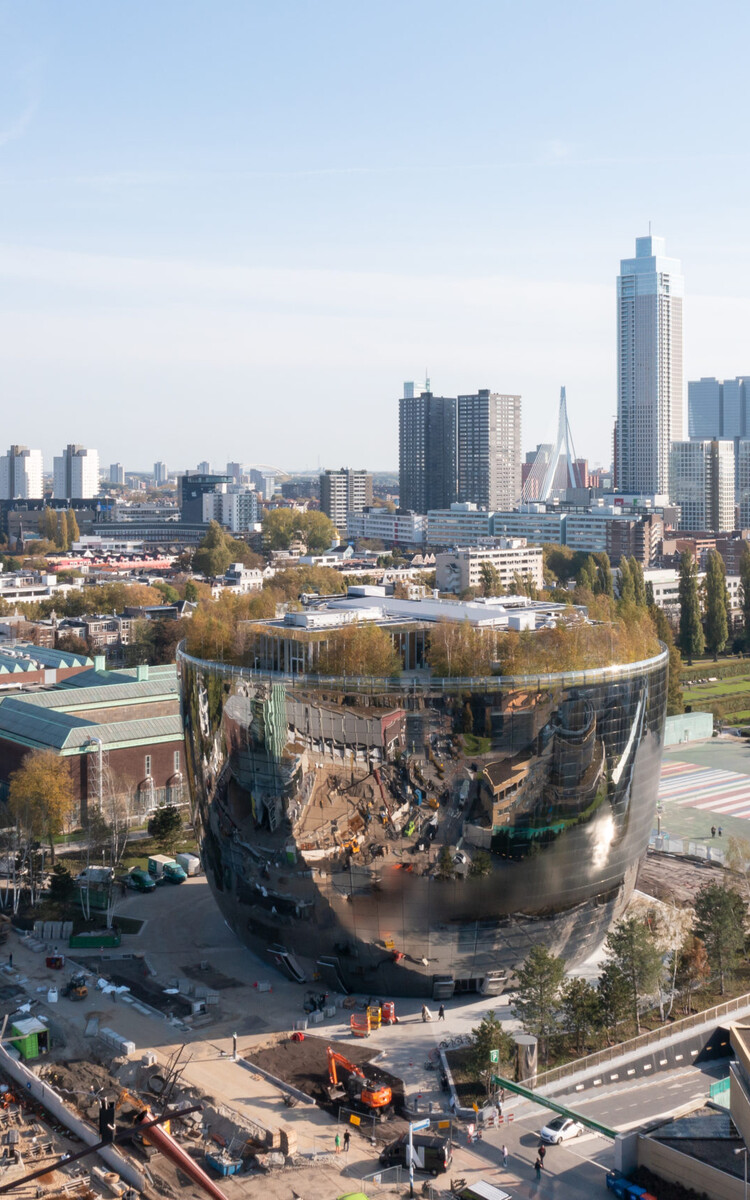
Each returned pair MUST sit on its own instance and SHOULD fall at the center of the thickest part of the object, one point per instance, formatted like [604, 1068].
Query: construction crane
[372, 1096]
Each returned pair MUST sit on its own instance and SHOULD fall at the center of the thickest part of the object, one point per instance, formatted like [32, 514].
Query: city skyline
[217, 243]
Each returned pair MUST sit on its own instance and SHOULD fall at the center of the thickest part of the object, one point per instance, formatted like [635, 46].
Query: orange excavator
[374, 1097]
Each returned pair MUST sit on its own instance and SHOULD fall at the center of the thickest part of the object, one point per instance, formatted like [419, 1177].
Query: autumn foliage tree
[458, 649]
[41, 799]
[360, 649]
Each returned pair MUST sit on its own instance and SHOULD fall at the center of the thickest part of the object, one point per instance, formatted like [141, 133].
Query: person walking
[538, 1168]
[713, 831]
[720, 831]
[542, 1151]
[504, 1153]
[441, 1013]
[337, 1143]
[347, 1138]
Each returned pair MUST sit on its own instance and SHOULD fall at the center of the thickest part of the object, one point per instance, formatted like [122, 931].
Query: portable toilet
[31, 1037]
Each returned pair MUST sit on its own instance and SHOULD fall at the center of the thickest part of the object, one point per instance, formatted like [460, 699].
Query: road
[576, 1170]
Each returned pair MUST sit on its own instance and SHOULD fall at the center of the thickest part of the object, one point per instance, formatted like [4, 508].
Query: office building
[264, 483]
[489, 449]
[511, 559]
[191, 488]
[342, 492]
[426, 452]
[742, 479]
[116, 473]
[161, 474]
[204, 468]
[649, 366]
[702, 484]
[21, 474]
[719, 408]
[76, 474]
[234, 470]
[392, 529]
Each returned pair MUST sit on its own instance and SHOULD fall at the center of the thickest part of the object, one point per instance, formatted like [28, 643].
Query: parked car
[140, 881]
[626, 1190]
[560, 1129]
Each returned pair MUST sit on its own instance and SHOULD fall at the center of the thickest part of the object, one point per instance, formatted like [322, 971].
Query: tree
[691, 640]
[445, 864]
[489, 579]
[490, 1037]
[639, 583]
[360, 649]
[49, 524]
[720, 915]
[587, 575]
[675, 701]
[282, 525]
[581, 1010]
[481, 864]
[213, 555]
[62, 886]
[603, 582]
[693, 969]
[41, 799]
[614, 996]
[627, 586]
[458, 649]
[745, 587]
[538, 993]
[72, 531]
[632, 949]
[717, 631]
[165, 825]
[61, 532]
[191, 592]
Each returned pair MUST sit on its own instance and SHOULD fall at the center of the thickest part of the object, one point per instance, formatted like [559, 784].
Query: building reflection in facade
[418, 838]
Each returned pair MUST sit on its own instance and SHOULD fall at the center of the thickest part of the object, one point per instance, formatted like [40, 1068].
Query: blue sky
[231, 230]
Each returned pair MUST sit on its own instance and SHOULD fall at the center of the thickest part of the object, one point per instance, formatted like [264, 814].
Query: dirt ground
[304, 1065]
[675, 879]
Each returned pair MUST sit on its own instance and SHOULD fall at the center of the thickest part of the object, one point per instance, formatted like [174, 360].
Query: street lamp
[743, 1150]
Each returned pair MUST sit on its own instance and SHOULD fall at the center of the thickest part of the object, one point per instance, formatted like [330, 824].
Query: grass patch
[723, 687]
[136, 854]
[474, 745]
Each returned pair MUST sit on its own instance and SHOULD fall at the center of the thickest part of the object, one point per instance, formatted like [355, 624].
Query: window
[176, 761]
[148, 766]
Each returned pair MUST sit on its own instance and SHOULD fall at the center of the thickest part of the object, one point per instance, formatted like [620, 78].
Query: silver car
[560, 1129]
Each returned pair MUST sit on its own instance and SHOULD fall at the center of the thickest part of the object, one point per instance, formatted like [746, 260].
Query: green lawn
[722, 687]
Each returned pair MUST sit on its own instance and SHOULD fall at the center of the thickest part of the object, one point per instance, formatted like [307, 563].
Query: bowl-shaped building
[414, 835]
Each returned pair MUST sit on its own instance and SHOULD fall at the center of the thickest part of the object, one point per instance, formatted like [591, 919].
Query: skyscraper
[650, 289]
[489, 449]
[342, 492]
[116, 473]
[21, 473]
[161, 474]
[75, 474]
[426, 452]
[702, 483]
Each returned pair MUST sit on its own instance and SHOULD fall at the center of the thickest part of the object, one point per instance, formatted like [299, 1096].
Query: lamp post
[743, 1150]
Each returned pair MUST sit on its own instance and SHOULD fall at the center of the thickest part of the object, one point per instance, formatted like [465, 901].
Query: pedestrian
[337, 1142]
[720, 831]
[504, 1153]
[347, 1137]
[713, 831]
[538, 1168]
[542, 1152]
[441, 1010]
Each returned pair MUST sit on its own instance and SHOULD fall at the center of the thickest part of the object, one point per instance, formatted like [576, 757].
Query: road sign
[417, 1125]
[494, 1056]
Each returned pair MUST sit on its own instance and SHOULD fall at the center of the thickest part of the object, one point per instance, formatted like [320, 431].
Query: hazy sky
[230, 230]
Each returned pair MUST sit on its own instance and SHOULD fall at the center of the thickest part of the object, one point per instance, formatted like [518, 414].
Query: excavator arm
[373, 1095]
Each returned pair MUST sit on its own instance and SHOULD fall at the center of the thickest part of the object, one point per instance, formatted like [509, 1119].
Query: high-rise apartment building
[191, 488]
[234, 470]
[75, 474]
[204, 468]
[742, 481]
[161, 474]
[650, 290]
[489, 449]
[702, 484]
[21, 474]
[264, 483]
[342, 492]
[426, 452]
[116, 473]
[232, 505]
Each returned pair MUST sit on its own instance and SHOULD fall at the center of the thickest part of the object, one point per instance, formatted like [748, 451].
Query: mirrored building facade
[415, 836]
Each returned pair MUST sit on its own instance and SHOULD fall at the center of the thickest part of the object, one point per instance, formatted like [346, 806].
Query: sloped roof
[67, 699]
[32, 725]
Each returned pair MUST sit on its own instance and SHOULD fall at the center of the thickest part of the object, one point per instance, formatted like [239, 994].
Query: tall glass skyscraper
[650, 291]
